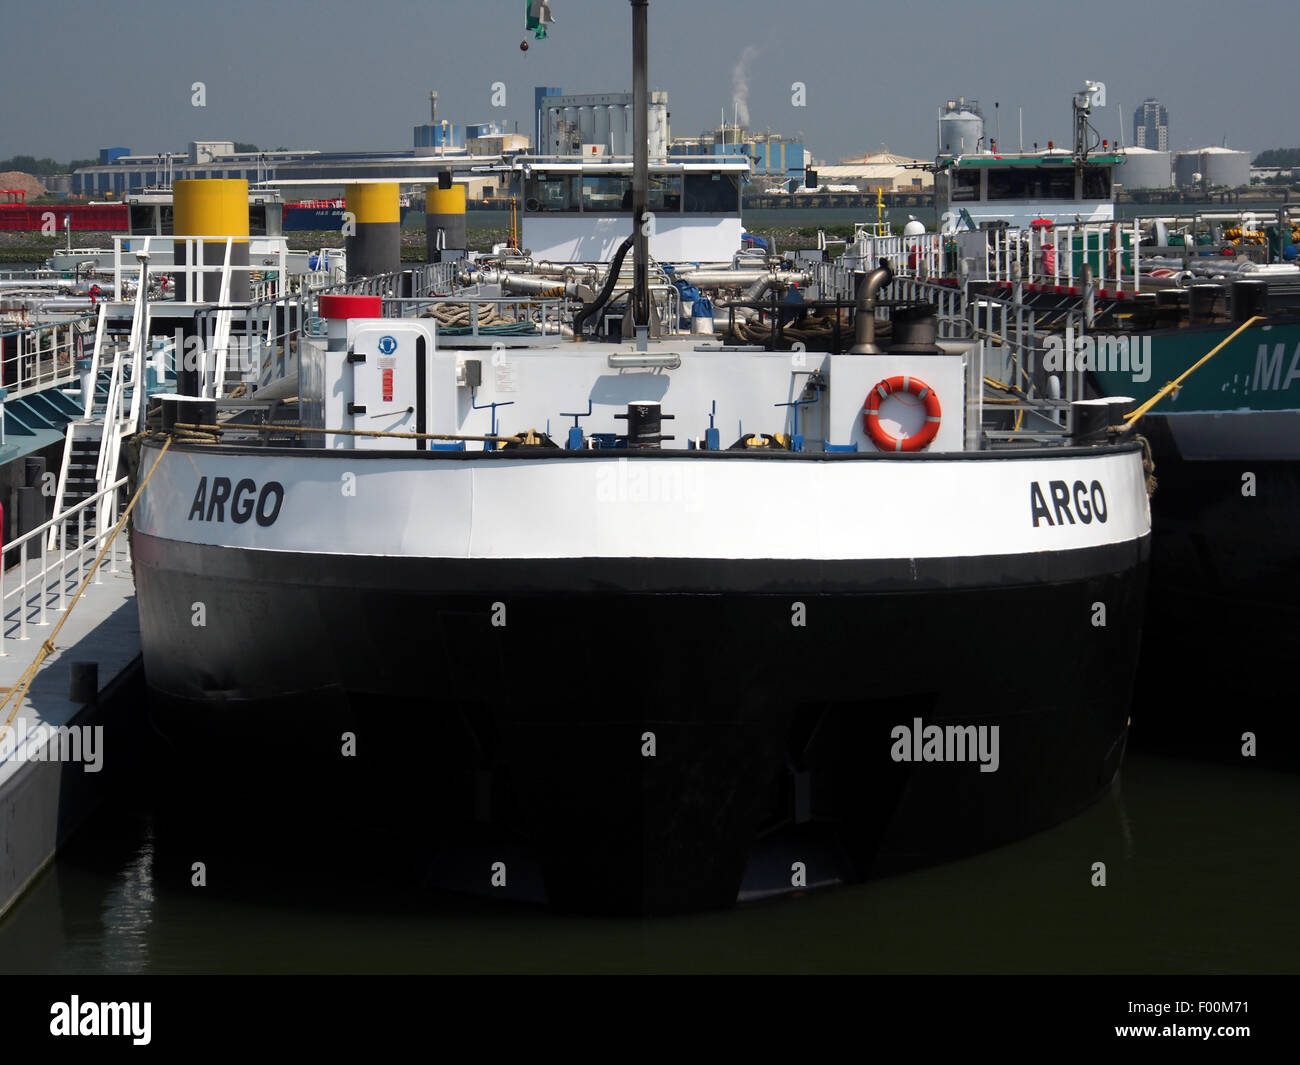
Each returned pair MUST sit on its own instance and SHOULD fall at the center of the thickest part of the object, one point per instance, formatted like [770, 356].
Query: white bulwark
[592, 506]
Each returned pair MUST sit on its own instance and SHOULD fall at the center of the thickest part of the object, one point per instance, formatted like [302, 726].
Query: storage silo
[1224, 167]
[961, 126]
[1143, 168]
[1218, 167]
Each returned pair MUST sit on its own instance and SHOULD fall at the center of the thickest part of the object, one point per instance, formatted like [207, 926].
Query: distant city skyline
[318, 75]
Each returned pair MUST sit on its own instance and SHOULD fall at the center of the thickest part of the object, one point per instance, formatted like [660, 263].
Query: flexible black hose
[580, 319]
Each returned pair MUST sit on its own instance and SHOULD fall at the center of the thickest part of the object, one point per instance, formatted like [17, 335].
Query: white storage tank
[1143, 168]
[961, 125]
[1218, 167]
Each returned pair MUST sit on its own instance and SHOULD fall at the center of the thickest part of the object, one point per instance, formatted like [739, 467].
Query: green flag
[532, 22]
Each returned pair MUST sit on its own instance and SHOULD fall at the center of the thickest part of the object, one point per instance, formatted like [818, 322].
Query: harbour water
[1201, 868]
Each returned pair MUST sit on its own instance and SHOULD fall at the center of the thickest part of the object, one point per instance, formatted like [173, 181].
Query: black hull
[1223, 614]
[526, 742]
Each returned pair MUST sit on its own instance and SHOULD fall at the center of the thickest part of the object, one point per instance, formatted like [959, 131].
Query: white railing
[216, 388]
[96, 357]
[41, 356]
[37, 589]
[1044, 256]
[1057, 256]
[193, 268]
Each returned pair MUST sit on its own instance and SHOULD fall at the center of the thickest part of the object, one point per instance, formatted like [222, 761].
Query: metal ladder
[92, 445]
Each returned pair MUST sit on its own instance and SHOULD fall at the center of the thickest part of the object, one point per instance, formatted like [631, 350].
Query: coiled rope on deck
[19, 692]
[454, 318]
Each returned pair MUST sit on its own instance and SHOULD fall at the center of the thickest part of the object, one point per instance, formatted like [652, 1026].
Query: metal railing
[1013, 336]
[194, 269]
[1037, 256]
[40, 356]
[45, 579]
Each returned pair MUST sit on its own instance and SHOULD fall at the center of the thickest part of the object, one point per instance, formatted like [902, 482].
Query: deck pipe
[375, 245]
[865, 319]
[535, 286]
[211, 208]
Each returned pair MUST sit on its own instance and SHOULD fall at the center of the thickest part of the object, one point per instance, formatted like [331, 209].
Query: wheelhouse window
[712, 193]
[603, 193]
[666, 192]
[965, 185]
[1096, 183]
[1032, 183]
[552, 192]
[143, 219]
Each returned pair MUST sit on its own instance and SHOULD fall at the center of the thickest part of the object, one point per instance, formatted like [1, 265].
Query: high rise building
[1151, 125]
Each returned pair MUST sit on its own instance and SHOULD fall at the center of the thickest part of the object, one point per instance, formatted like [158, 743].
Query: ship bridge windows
[715, 193]
[966, 185]
[150, 219]
[1096, 183]
[552, 192]
[604, 193]
[607, 193]
[666, 192]
[1031, 183]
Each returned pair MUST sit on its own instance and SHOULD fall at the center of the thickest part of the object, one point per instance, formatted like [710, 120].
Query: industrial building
[770, 154]
[598, 124]
[119, 172]
[435, 142]
[882, 170]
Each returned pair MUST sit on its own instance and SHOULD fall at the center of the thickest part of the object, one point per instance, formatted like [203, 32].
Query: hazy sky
[341, 75]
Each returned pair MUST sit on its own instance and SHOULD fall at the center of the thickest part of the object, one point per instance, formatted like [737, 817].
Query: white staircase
[111, 409]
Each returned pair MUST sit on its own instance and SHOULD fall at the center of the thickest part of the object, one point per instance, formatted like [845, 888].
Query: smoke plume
[740, 84]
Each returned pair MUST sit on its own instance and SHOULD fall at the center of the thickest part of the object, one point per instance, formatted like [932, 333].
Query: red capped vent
[351, 307]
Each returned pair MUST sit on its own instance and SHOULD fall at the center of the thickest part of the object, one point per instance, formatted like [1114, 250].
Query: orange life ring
[886, 388]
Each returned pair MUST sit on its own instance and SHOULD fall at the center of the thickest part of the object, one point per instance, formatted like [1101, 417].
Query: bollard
[85, 682]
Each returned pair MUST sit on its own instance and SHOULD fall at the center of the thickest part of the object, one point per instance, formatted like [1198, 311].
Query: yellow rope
[1132, 416]
[19, 692]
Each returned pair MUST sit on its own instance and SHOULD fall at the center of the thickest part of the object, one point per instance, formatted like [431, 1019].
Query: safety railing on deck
[41, 356]
[1014, 336]
[260, 343]
[1107, 253]
[193, 268]
[35, 589]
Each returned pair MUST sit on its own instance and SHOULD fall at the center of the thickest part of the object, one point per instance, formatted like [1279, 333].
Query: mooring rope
[19, 692]
[1131, 418]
